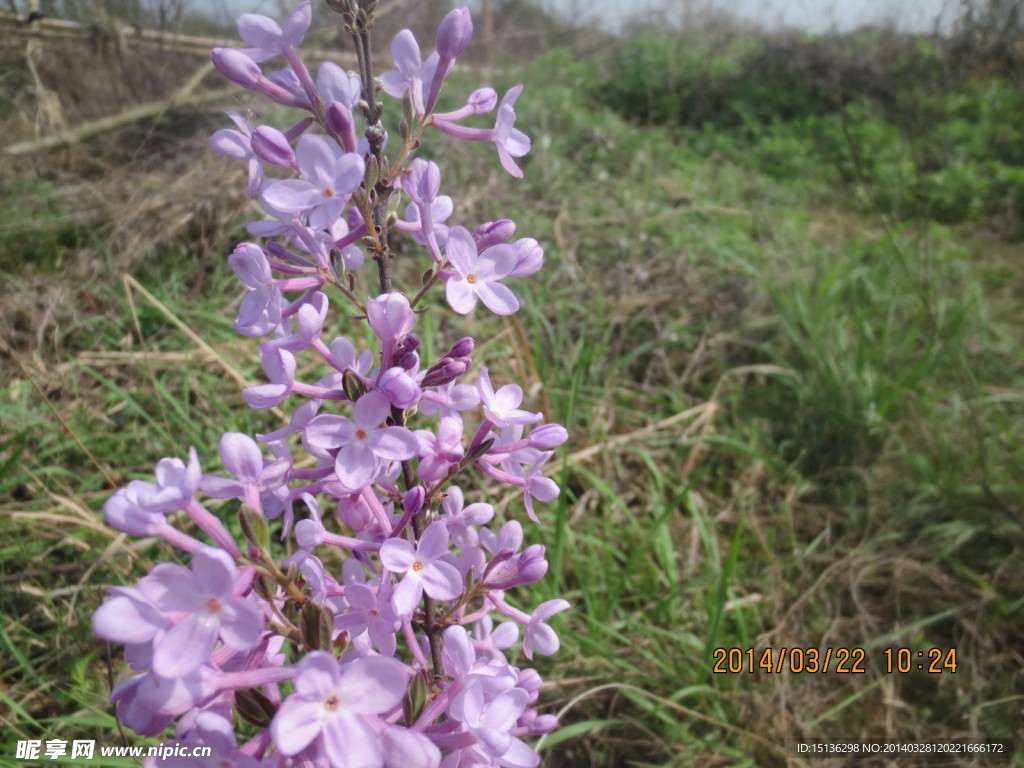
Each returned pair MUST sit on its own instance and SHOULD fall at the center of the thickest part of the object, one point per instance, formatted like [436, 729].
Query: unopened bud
[254, 707]
[454, 33]
[236, 66]
[445, 371]
[548, 436]
[543, 724]
[271, 145]
[341, 125]
[463, 347]
[412, 502]
[494, 233]
[482, 100]
[308, 534]
[352, 385]
[529, 257]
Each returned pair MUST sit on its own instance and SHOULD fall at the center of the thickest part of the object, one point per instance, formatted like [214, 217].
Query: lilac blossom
[238, 145]
[362, 443]
[463, 519]
[205, 596]
[476, 275]
[502, 407]
[327, 179]
[509, 140]
[423, 568]
[391, 544]
[335, 706]
[267, 38]
[260, 311]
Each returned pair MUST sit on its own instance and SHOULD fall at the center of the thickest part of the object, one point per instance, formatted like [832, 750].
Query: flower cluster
[380, 639]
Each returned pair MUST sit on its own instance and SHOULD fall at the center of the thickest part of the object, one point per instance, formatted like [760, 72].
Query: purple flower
[336, 704]
[362, 442]
[255, 476]
[454, 33]
[462, 520]
[439, 451]
[368, 612]
[502, 407]
[260, 311]
[428, 209]
[309, 319]
[491, 722]
[267, 38]
[509, 140]
[272, 146]
[204, 594]
[279, 365]
[327, 179]
[335, 85]
[238, 146]
[423, 569]
[539, 635]
[538, 486]
[449, 398]
[530, 255]
[516, 570]
[476, 275]
[406, 748]
[128, 617]
[400, 387]
[391, 318]
[210, 730]
[412, 72]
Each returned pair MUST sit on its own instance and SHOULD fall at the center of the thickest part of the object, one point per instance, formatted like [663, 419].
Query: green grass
[796, 420]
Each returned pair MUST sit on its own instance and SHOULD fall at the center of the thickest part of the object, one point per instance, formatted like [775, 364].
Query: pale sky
[811, 15]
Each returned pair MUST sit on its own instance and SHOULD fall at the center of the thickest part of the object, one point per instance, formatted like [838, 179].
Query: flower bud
[548, 436]
[237, 67]
[493, 233]
[543, 724]
[506, 571]
[462, 348]
[530, 681]
[400, 388]
[530, 257]
[454, 33]
[340, 124]
[532, 565]
[482, 100]
[271, 145]
[409, 344]
[254, 707]
[409, 361]
[412, 502]
[308, 533]
[445, 371]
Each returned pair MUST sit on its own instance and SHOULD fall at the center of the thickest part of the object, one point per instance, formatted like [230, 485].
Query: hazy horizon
[919, 16]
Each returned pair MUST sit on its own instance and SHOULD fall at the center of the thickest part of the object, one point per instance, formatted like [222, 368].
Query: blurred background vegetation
[781, 317]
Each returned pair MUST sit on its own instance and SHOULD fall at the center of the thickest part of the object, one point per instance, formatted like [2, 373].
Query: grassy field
[787, 346]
